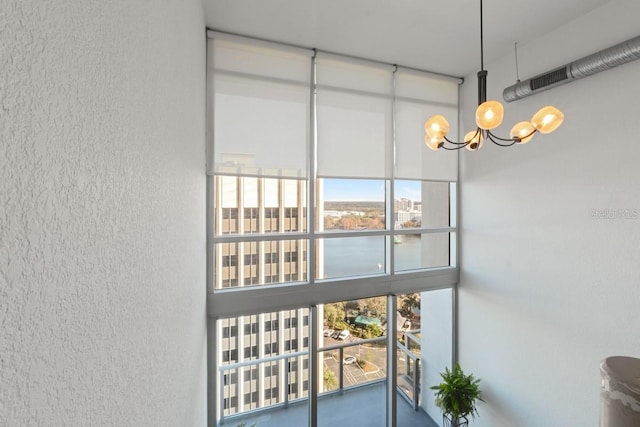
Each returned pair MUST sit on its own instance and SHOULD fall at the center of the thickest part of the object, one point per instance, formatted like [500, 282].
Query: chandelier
[489, 115]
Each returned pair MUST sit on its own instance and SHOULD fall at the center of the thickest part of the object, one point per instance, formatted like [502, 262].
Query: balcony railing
[273, 384]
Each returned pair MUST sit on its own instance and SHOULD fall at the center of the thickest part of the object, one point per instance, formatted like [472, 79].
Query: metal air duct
[605, 59]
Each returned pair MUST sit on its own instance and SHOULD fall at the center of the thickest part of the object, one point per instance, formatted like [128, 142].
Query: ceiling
[436, 35]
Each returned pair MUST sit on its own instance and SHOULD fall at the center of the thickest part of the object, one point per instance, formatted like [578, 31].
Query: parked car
[349, 360]
[344, 334]
[328, 332]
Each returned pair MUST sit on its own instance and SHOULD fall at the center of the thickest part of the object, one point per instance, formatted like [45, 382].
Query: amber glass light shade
[476, 140]
[432, 143]
[524, 131]
[489, 115]
[437, 126]
[547, 119]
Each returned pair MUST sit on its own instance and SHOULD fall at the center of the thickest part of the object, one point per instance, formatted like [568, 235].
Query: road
[353, 374]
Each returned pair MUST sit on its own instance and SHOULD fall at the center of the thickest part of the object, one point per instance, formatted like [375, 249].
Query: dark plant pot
[460, 422]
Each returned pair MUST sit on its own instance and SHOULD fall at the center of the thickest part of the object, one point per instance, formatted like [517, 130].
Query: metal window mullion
[314, 378]
[391, 183]
[312, 167]
[214, 385]
[416, 384]
[392, 363]
[454, 288]
[341, 368]
[267, 237]
[434, 230]
[349, 234]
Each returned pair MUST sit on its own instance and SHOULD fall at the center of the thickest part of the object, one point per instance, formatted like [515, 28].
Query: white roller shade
[261, 109]
[263, 59]
[353, 74]
[354, 111]
[418, 98]
[425, 87]
[414, 160]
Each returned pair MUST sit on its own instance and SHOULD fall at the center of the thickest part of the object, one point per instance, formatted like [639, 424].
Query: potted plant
[457, 395]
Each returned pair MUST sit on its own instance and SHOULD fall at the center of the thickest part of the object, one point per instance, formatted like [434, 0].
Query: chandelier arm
[504, 139]
[456, 143]
[454, 148]
[490, 136]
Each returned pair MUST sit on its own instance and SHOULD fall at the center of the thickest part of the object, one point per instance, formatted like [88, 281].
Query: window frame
[251, 300]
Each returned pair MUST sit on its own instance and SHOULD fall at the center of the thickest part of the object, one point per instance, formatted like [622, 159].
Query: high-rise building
[249, 206]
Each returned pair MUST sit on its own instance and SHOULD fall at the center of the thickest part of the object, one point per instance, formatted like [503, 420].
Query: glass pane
[329, 371]
[350, 256]
[420, 251]
[248, 205]
[423, 204]
[351, 204]
[263, 384]
[407, 374]
[370, 363]
[362, 319]
[260, 263]
[408, 351]
[347, 364]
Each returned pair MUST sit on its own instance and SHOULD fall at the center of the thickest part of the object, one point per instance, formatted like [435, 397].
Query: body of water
[353, 256]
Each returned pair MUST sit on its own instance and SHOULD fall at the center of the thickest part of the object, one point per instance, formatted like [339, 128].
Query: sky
[364, 190]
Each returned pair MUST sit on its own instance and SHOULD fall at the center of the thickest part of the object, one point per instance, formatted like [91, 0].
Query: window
[231, 402]
[271, 393]
[299, 217]
[231, 378]
[229, 331]
[230, 355]
[251, 328]
[271, 348]
[271, 325]
[250, 352]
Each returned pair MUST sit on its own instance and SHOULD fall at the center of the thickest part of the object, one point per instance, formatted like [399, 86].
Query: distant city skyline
[365, 190]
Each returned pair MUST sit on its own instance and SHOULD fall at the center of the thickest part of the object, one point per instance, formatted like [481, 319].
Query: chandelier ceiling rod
[489, 115]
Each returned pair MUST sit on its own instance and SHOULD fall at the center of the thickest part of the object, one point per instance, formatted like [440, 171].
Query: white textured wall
[102, 213]
[437, 331]
[547, 290]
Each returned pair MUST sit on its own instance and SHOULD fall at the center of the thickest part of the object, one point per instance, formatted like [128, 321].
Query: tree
[329, 379]
[329, 223]
[377, 304]
[348, 222]
[334, 315]
[373, 331]
[410, 302]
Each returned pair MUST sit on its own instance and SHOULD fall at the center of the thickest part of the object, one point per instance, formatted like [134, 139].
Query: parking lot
[354, 374]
